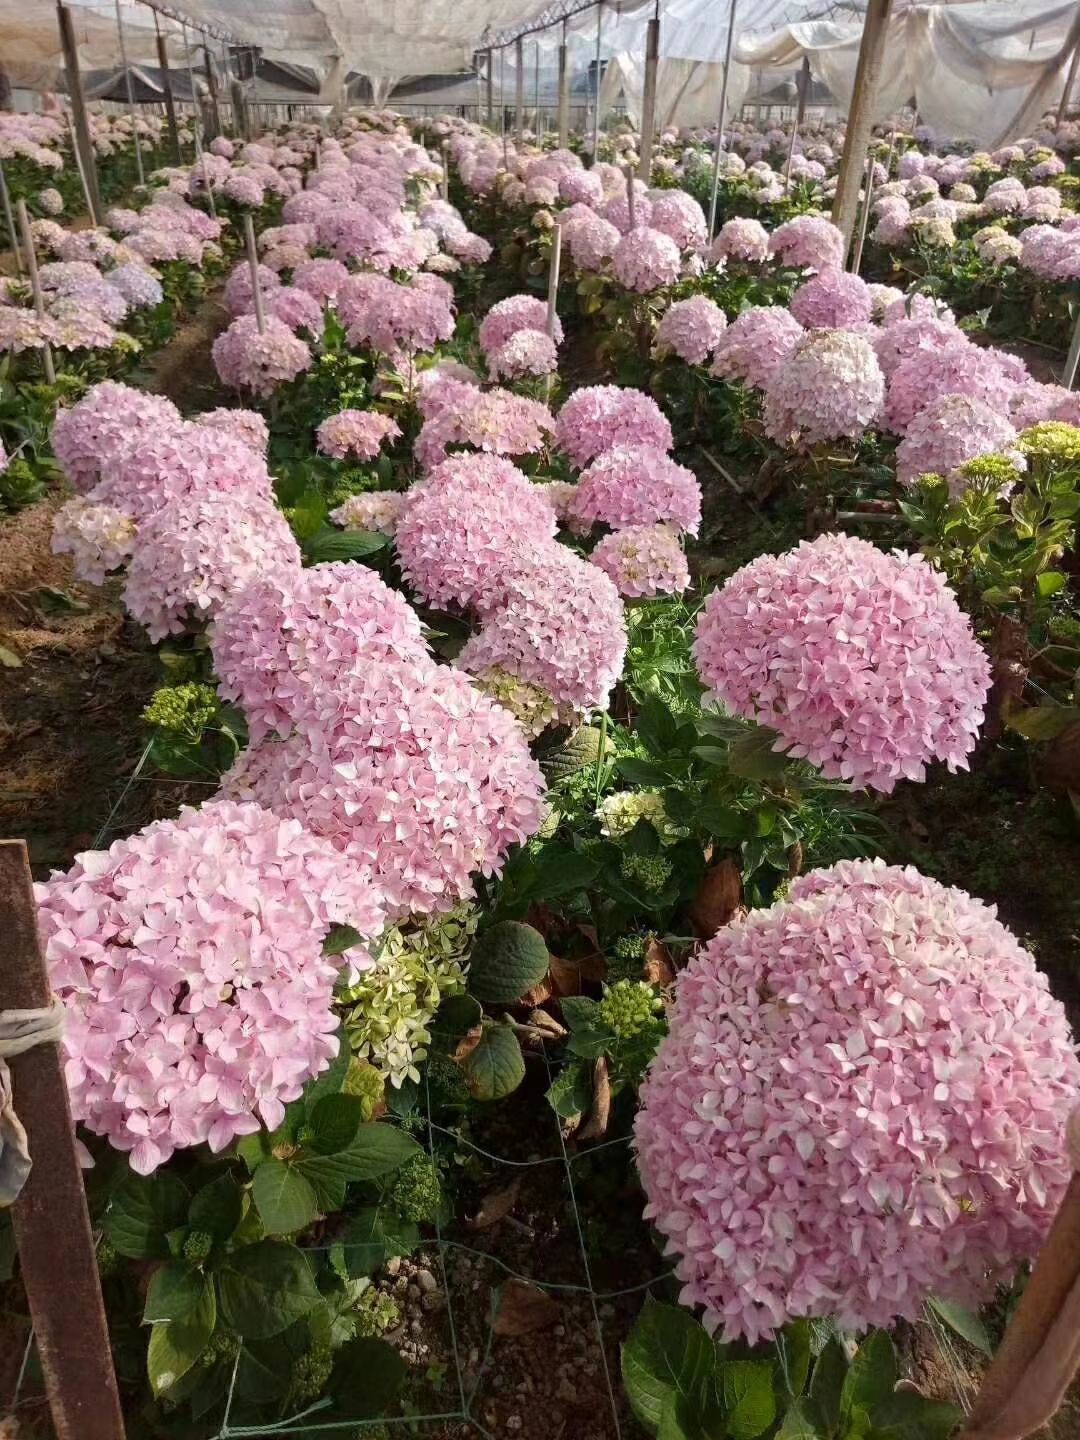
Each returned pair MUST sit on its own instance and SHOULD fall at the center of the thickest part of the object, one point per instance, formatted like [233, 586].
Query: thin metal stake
[9, 220]
[723, 118]
[253, 261]
[35, 284]
[130, 95]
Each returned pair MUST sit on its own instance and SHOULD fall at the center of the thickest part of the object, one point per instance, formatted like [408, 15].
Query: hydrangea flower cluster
[247, 426]
[398, 320]
[497, 421]
[417, 778]
[246, 358]
[861, 1102]
[741, 239]
[947, 433]
[188, 958]
[833, 299]
[290, 633]
[691, 329]
[109, 419]
[509, 316]
[808, 243]
[459, 530]
[98, 536]
[756, 344]
[637, 485]
[862, 661]
[830, 388]
[645, 260]
[360, 433]
[957, 369]
[527, 354]
[643, 560]
[375, 510]
[596, 417]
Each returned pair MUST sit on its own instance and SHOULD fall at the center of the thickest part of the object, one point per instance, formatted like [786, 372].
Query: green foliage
[507, 960]
[416, 1191]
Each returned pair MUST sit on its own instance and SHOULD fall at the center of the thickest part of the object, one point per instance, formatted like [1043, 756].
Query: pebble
[433, 1300]
[426, 1281]
[393, 1265]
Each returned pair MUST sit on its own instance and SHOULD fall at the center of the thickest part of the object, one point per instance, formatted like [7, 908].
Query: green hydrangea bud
[416, 1190]
[630, 1007]
[627, 957]
[651, 872]
[376, 1312]
[310, 1374]
[224, 1345]
[197, 1246]
[1053, 439]
[108, 1261]
[446, 1081]
[182, 709]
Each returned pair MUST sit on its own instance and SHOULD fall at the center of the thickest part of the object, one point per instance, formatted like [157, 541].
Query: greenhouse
[540, 719]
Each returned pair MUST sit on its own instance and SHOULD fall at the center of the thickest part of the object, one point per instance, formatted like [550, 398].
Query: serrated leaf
[965, 1322]
[1050, 582]
[455, 1017]
[803, 1422]
[746, 1387]
[378, 1149]
[142, 1212]
[367, 1375]
[1042, 722]
[871, 1376]
[177, 1345]
[264, 1288]
[340, 938]
[334, 1121]
[375, 1235]
[752, 756]
[666, 1351]
[329, 544]
[571, 1092]
[174, 1292]
[793, 1344]
[495, 1067]
[583, 748]
[656, 726]
[283, 1197]
[827, 1383]
[507, 960]
[217, 1208]
[907, 1415]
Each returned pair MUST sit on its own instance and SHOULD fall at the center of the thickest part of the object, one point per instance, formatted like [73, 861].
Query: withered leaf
[468, 1043]
[495, 1206]
[659, 967]
[719, 899]
[595, 1128]
[522, 1308]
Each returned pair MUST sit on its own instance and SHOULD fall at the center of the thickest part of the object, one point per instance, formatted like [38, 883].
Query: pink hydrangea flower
[395, 319]
[643, 560]
[473, 516]
[833, 299]
[645, 260]
[108, 419]
[497, 421]
[902, 339]
[679, 216]
[861, 661]
[949, 431]
[239, 287]
[361, 433]
[376, 510]
[246, 358]
[596, 417]
[808, 243]
[829, 388]
[756, 344]
[516, 312]
[959, 369]
[590, 240]
[188, 958]
[527, 354]
[417, 778]
[557, 623]
[247, 426]
[741, 239]
[637, 485]
[290, 633]
[321, 279]
[98, 537]
[861, 1102]
[691, 329]
[198, 549]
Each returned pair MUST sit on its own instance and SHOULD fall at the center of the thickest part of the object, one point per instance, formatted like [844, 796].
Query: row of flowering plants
[491, 775]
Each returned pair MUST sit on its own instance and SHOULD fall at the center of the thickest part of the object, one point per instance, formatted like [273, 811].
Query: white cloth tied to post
[20, 1030]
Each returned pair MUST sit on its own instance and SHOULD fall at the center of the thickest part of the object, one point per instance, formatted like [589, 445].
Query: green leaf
[217, 1208]
[907, 1415]
[965, 1322]
[1042, 722]
[283, 1197]
[827, 1382]
[557, 872]
[748, 1396]
[264, 1288]
[656, 726]
[334, 1122]
[176, 1346]
[579, 1012]
[141, 1213]
[254, 1150]
[495, 1067]
[571, 1092]
[455, 1017]
[375, 1235]
[366, 1378]
[1050, 582]
[803, 1422]
[583, 748]
[507, 960]
[752, 756]
[793, 1357]
[174, 1292]
[872, 1374]
[644, 772]
[377, 1150]
[340, 938]
[330, 544]
[666, 1351]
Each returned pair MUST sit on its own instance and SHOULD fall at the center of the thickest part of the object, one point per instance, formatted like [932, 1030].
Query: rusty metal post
[167, 92]
[860, 118]
[83, 144]
[52, 1225]
[211, 84]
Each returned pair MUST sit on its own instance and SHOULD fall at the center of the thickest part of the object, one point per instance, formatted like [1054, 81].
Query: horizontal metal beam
[207, 27]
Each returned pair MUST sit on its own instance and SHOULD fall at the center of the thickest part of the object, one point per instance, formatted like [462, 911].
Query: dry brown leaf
[539, 994]
[659, 967]
[565, 976]
[541, 1020]
[595, 1128]
[495, 1206]
[719, 899]
[523, 1308]
[468, 1043]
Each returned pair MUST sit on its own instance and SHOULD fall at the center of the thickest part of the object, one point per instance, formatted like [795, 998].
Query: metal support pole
[253, 262]
[62, 1285]
[519, 90]
[196, 124]
[536, 90]
[502, 108]
[564, 90]
[596, 105]
[723, 118]
[630, 198]
[211, 85]
[35, 284]
[553, 280]
[860, 117]
[1063, 107]
[167, 91]
[130, 96]
[84, 144]
[490, 90]
[9, 220]
[864, 223]
[648, 96]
